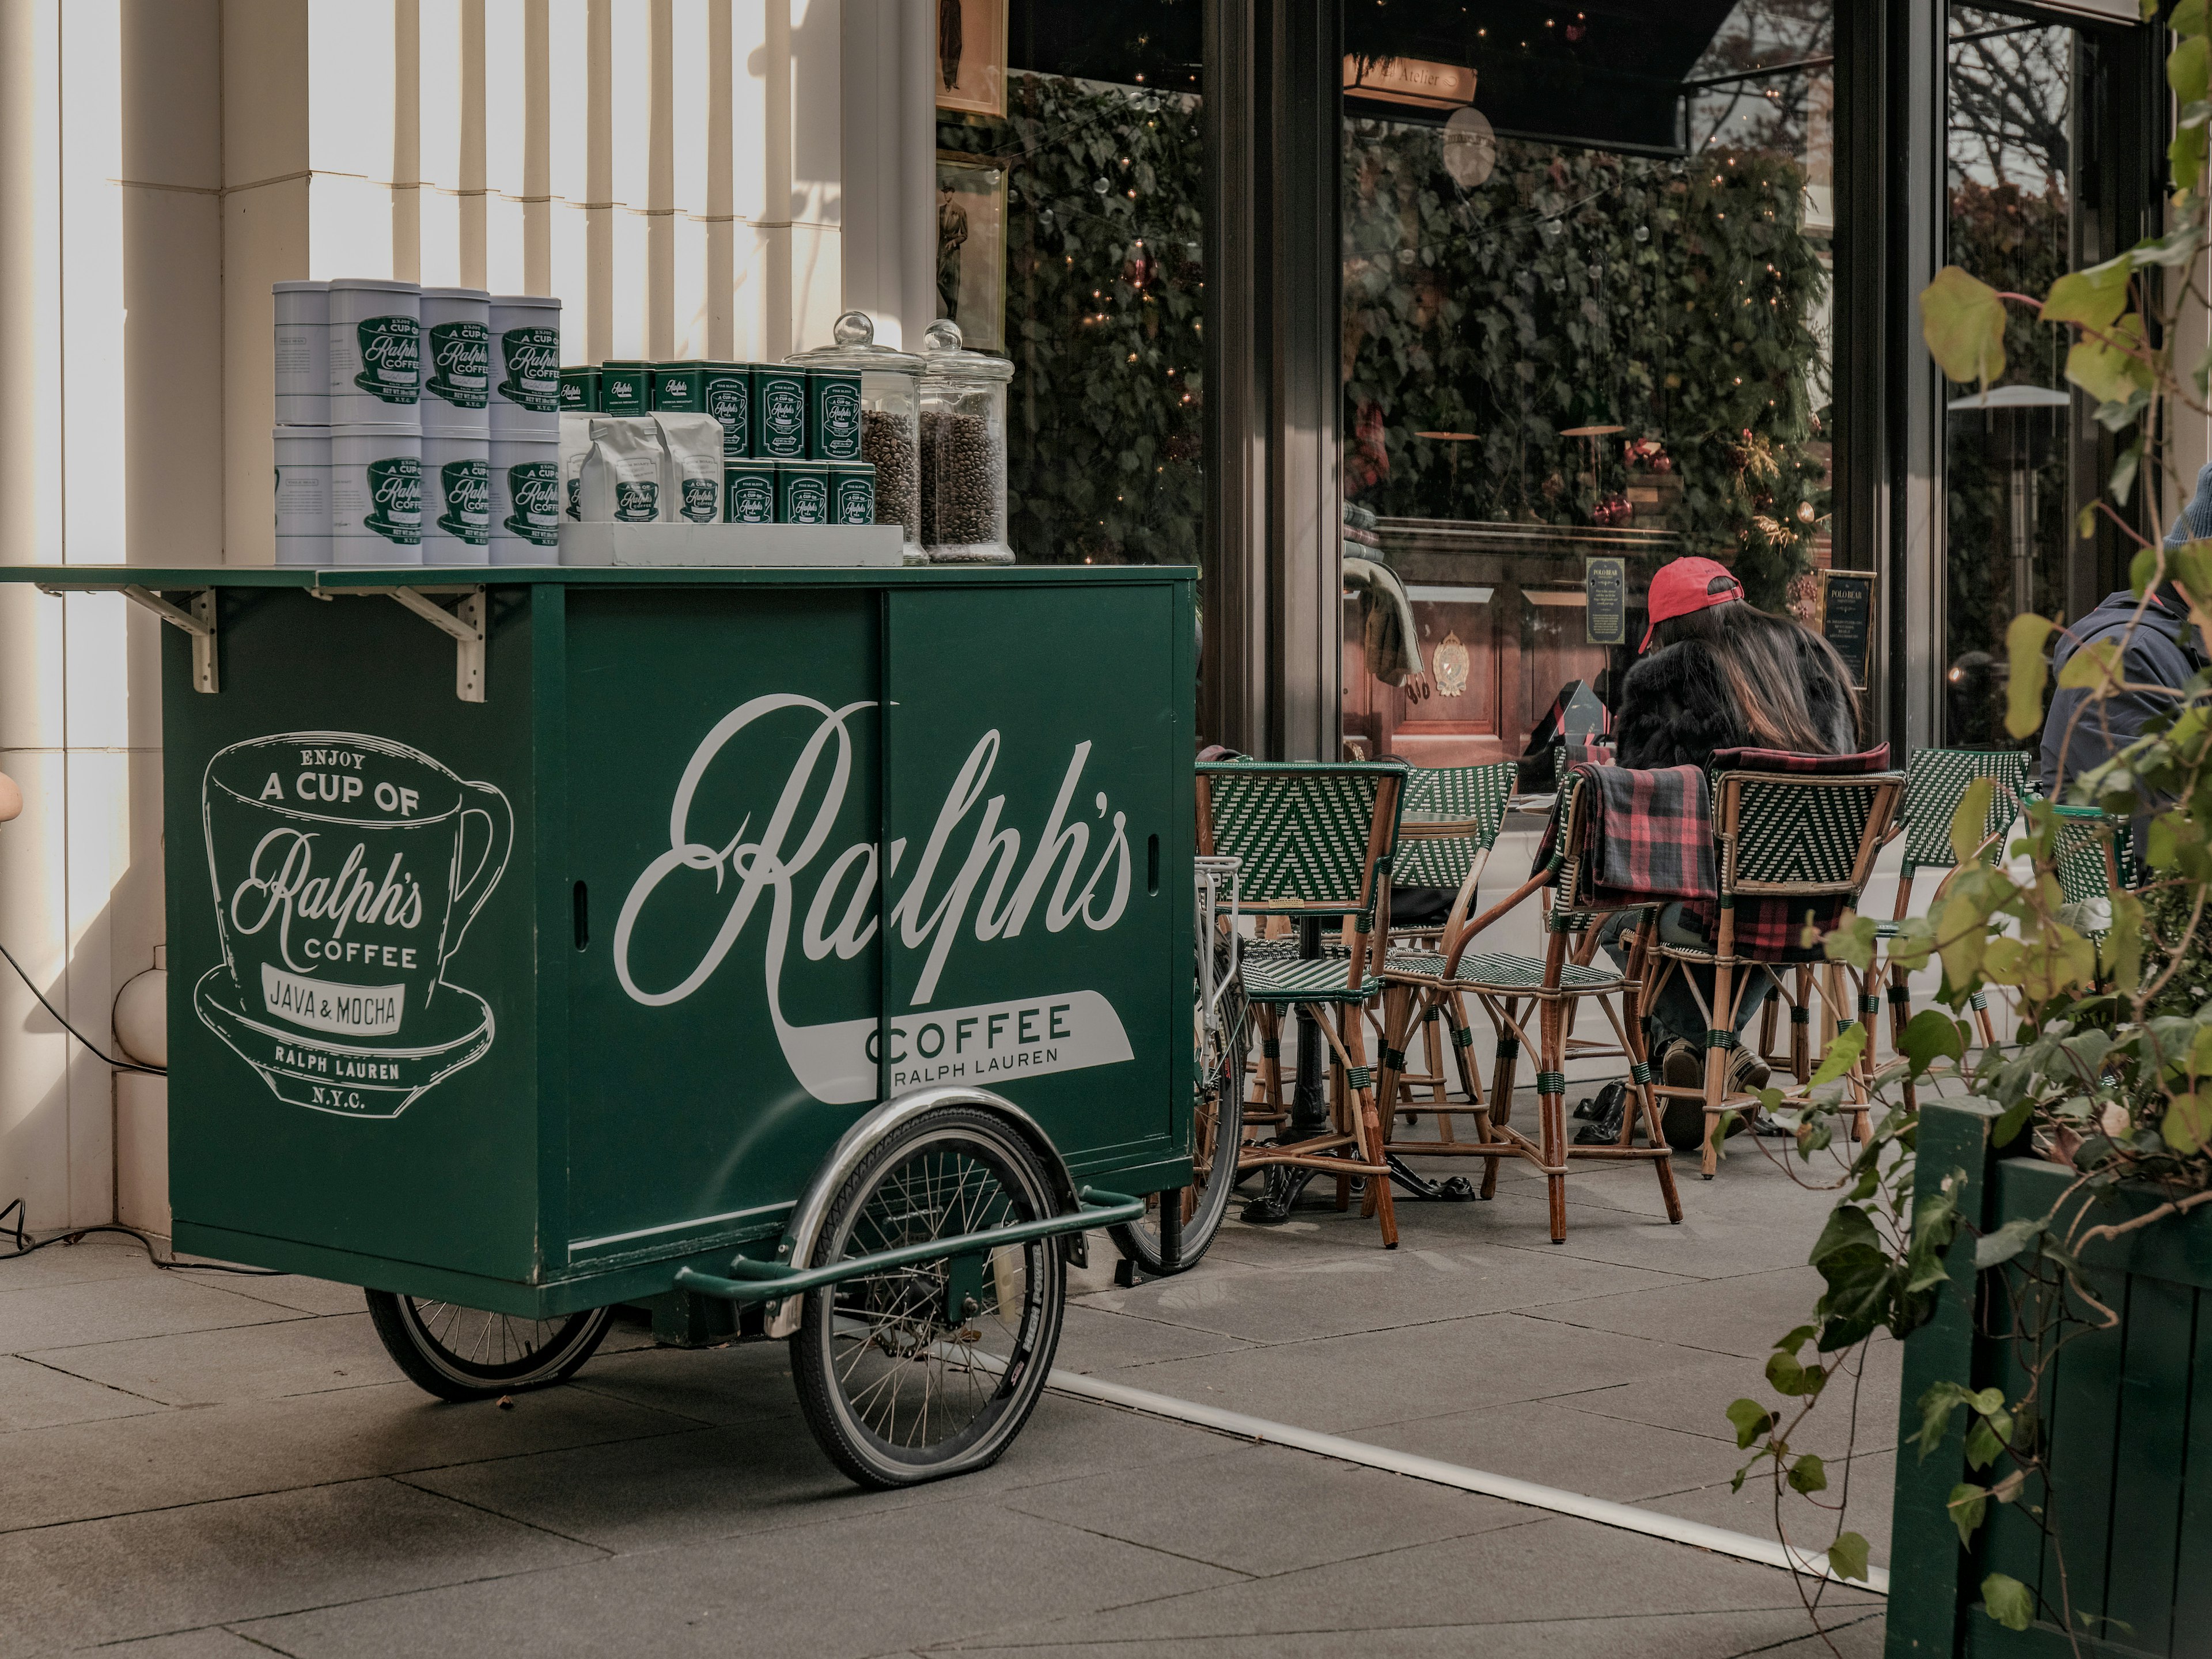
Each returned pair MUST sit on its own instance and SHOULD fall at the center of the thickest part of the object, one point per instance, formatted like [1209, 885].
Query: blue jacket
[2163, 651]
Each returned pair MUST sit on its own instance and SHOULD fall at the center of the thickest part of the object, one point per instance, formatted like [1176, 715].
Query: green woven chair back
[1475, 796]
[2079, 853]
[1796, 832]
[1302, 830]
[1937, 781]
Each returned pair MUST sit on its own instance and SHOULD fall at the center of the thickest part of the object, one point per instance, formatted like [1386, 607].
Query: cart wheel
[466, 1353]
[930, 1369]
[1217, 1131]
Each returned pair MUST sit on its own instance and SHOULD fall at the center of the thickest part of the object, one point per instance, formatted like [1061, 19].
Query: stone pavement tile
[167, 1458]
[141, 1575]
[1097, 1335]
[1539, 1440]
[1344, 1382]
[1713, 1241]
[302, 1355]
[294, 1291]
[1251, 1510]
[857, 1585]
[1695, 1401]
[1310, 1293]
[768, 1475]
[1674, 1636]
[209, 1643]
[1852, 1638]
[35, 1396]
[742, 1383]
[151, 1304]
[1874, 1477]
[97, 1256]
[1557, 1569]
[1743, 1315]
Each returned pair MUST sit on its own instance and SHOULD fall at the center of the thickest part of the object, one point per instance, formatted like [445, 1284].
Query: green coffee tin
[625, 387]
[580, 392]
[852, 492]
[679, 388]
[802, 492]
[833, 414]
[728, 397]
[779, 413]
[748, 492]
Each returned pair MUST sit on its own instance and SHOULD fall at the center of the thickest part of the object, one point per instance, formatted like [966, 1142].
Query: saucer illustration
[351, 1079]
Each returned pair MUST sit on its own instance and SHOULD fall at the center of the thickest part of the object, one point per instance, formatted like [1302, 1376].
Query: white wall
[672, 169]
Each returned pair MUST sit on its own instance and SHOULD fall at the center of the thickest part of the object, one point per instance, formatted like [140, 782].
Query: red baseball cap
[1685, 586]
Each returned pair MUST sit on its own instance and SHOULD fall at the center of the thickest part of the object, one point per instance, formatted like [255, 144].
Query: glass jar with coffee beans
[890, 427]
[963, 450]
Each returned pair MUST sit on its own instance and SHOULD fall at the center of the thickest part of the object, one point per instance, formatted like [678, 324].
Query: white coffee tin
[303, 353]
[456, 362]
[376, 494]
[303, 495]
[376, 352]
[526, 365]
[525, 500]
[456, 500]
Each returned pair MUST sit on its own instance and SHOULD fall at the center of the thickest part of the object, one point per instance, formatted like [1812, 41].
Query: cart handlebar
[772, 1281]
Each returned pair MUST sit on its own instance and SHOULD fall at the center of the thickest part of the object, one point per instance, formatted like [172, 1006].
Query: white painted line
[1765, 1551]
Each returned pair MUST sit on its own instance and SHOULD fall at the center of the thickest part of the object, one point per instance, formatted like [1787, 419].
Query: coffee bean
[964, 481]
[887, 444]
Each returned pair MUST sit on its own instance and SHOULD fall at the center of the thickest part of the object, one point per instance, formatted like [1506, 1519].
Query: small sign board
[1604, 589]
[1846, 619]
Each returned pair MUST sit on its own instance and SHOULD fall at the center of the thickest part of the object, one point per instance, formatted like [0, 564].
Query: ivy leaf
[1983, 1444]
[1970, 821]
[2024, 645]
[1851, 943]
[2094, 668]
[1967, 1505]
[1808, 1475]
[2095, 297]
[1963, 321]
[1847, 1556]
[2109, 372]
[1993, 1249]
[1931, 1034]
[1843, 1054]
[2189, 17]
[2189, 69]
[1751, 1420]
[2007, 1601]
[2187, 1123]
[1790, 1379]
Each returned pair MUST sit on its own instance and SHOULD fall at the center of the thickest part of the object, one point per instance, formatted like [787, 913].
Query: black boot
[1604, 1128]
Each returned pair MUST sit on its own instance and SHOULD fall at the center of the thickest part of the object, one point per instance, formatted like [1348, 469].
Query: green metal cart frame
[815, 940]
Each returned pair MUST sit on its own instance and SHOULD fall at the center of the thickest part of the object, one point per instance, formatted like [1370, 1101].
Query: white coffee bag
[575, 444]
[621, 479]
[691, 446]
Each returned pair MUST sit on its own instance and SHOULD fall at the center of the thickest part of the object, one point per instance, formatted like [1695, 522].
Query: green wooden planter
[2127, 1416]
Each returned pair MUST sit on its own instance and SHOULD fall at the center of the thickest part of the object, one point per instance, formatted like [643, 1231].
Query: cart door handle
[583, 916]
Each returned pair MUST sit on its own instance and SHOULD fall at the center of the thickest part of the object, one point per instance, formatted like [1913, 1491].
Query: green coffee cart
[815, 941]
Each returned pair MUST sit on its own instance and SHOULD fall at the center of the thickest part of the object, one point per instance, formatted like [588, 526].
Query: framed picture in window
[971, 247]
[971, 55]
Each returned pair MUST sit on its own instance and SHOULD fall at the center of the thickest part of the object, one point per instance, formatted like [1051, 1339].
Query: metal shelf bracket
[465, 622]
[199, 621]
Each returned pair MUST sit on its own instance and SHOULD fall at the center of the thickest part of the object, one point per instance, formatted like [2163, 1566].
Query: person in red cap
[1718, 672]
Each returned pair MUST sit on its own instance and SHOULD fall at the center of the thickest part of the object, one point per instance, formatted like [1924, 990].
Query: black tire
[1217, 1130]
[466, 1353]
[896, 1392]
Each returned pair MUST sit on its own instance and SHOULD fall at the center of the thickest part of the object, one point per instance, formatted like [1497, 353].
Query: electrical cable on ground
[20, 1234]
[119, 1065]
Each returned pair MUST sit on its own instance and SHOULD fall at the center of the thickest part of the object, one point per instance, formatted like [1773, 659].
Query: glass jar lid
[946, 359]
[855, 335]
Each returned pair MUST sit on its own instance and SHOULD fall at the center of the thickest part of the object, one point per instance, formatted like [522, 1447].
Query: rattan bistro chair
[1420, 983]
[1314, 841]
[1781, 835]
[1450, 826]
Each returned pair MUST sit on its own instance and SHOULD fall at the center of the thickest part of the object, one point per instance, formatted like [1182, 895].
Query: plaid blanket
[1650, 834]
[1772, 929]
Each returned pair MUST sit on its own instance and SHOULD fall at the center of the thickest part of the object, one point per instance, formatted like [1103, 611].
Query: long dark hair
[1762, 660]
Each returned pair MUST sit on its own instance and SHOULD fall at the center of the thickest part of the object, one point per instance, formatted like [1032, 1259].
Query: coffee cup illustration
[345, 870]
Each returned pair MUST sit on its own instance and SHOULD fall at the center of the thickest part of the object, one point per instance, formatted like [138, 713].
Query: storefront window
[1586, 313]
[1068, 241]
[2012, 93]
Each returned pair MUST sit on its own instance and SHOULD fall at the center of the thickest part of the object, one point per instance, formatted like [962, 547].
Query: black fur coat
[1675, 709]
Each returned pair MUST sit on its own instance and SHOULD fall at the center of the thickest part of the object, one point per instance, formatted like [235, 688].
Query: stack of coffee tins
[416, 426]
[791, 435]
